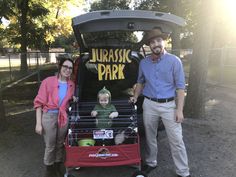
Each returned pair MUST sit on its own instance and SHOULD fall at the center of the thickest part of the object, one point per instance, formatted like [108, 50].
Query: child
[104, 111]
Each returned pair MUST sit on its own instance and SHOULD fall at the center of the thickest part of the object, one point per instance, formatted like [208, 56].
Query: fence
[10, 64]
[222, 66]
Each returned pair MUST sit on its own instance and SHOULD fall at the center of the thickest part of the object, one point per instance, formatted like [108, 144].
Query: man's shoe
[183, 176]
[147, 169]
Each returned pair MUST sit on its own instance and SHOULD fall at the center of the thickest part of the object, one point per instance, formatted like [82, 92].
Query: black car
[110, 51]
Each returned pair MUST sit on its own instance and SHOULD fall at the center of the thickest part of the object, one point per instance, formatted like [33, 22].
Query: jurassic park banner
[110, 62]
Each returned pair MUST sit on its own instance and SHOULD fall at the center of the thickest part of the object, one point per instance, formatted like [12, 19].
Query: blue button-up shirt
[161, 78]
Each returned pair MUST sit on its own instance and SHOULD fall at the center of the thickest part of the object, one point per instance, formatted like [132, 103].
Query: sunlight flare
[229, 12]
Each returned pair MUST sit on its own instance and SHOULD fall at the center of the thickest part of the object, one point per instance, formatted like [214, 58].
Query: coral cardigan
[48, 98]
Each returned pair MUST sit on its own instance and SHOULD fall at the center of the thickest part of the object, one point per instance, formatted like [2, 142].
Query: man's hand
[137, 91]
[120, 138]
[179, 116]
[180, 105]
[133, 99]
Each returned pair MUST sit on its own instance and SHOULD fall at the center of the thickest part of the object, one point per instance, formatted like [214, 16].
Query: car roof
[124, 20]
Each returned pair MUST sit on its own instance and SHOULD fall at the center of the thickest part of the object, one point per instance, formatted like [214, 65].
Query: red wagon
[104, 152]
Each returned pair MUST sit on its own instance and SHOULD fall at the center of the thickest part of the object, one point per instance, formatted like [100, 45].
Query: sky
[75, 11]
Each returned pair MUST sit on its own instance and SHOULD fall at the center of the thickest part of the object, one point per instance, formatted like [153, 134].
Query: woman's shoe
[50, 171]
[59, 169]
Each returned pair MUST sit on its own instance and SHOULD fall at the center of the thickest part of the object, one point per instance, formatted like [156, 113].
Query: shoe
[183, 176]
[147, 169]
[59, 169]
[50, 171]
[139, 174]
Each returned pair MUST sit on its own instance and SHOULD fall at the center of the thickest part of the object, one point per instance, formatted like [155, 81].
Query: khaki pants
[151, 113]
[54, 138]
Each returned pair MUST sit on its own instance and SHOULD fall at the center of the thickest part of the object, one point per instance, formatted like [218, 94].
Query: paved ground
[210, 142]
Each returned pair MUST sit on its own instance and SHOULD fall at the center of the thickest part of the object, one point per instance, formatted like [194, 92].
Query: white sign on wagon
[103, 134]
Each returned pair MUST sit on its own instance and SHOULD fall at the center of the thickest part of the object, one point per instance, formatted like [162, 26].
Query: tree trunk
[3, 121]
[195, 103]
[176, 33]
[23, 6]
[47, 55]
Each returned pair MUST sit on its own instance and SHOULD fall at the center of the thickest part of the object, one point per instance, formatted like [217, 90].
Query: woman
[51, 103]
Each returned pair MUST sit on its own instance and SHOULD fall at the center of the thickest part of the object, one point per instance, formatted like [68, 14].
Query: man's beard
[157, 50]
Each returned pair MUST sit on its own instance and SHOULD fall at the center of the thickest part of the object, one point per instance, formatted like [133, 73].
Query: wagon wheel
[139, 174]
[70, 175]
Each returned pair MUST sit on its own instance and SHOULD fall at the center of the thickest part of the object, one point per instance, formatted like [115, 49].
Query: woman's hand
[39, 129]
[75, 99]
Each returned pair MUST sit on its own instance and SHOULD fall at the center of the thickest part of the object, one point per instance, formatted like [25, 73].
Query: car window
[110, 38]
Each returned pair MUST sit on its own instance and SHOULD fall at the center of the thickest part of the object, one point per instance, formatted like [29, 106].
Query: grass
[7, 77]
[14, 105]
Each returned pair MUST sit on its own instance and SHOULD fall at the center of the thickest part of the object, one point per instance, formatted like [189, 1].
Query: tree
[195, 101]
[168, 6]
[121, 35]
[36, 23]
[175, 8]
[57, 23]
[33, 24]
[64, 42]
[21, 13]
[147, 5]
[110, 4]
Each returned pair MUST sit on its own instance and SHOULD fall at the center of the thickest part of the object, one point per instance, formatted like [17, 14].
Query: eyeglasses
[67, 67]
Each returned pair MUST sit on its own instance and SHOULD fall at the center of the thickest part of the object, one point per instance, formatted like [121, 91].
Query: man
[161, 80]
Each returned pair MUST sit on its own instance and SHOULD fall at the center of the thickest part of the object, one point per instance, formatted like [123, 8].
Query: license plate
[103, 134]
